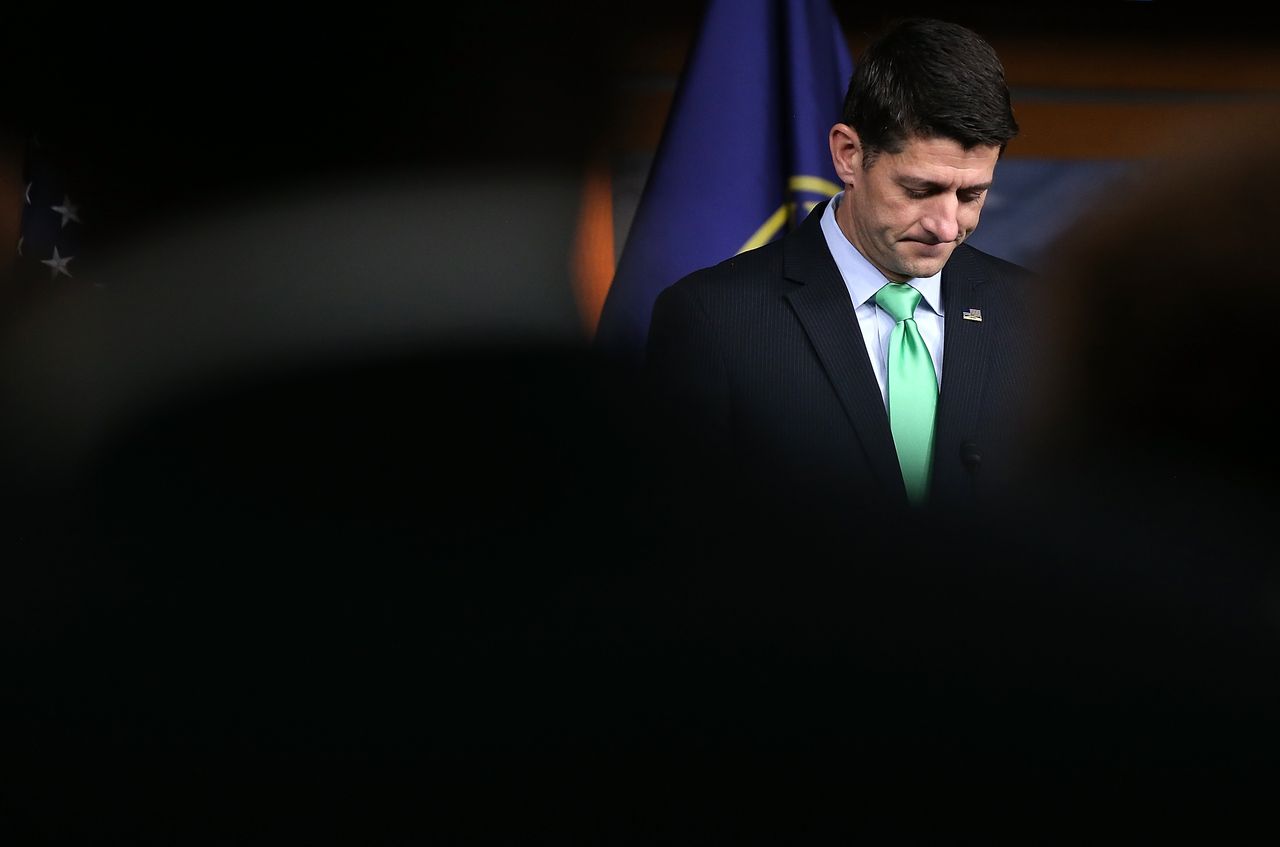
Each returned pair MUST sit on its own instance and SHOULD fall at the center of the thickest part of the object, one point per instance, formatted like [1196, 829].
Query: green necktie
[913, 389]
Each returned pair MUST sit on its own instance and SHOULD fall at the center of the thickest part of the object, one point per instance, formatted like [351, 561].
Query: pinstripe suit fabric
[761, 359]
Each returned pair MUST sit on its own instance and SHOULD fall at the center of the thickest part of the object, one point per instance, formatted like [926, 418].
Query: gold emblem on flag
[787, 212]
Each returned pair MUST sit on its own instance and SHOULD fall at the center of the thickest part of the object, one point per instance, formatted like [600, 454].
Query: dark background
[329, 605]
[152, 114]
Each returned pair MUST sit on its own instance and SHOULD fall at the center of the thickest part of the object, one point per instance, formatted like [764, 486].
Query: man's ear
[846, 152]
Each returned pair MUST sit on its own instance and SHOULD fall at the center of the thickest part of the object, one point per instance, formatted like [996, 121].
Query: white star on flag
[68, 211]
[58, 264]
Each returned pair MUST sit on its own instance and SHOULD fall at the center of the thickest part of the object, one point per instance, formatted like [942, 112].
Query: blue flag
[743, 155]
[49, 237]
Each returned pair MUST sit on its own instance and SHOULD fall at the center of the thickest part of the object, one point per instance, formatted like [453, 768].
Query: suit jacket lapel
[821, 302]
[964, 362]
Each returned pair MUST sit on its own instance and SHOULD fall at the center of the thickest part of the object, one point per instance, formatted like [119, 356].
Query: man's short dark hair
[928, 78]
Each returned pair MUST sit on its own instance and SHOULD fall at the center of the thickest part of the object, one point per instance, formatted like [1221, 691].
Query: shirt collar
[860, 276]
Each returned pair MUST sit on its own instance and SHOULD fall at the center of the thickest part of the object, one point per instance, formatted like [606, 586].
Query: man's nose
[940, 219]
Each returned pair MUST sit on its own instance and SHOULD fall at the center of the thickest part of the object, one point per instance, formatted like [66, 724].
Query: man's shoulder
[971, 260]
[750, 273]
[760, 263]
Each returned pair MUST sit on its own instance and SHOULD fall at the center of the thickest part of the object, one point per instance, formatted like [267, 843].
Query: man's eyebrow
[922, 184]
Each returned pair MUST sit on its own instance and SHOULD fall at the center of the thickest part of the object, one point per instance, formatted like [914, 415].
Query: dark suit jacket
[759, 360]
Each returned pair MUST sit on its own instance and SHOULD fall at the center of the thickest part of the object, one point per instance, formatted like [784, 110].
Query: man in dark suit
[778, 361]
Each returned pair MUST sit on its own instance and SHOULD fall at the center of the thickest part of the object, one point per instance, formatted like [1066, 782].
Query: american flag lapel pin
[972, 315]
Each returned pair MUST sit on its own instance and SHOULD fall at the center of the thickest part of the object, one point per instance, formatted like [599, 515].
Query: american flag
[52, 225]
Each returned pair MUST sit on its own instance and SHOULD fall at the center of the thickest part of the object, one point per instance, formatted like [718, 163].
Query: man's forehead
[943, 160]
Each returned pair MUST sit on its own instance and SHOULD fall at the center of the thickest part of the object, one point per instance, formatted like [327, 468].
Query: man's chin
[922, 270]
[926, 260]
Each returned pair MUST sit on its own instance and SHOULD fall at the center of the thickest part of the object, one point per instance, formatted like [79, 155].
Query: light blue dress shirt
[863, 281]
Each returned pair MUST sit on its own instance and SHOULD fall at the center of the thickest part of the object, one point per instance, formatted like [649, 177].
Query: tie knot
[899, 300]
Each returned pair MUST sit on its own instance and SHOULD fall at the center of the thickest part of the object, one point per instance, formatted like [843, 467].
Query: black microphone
[970, 455]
